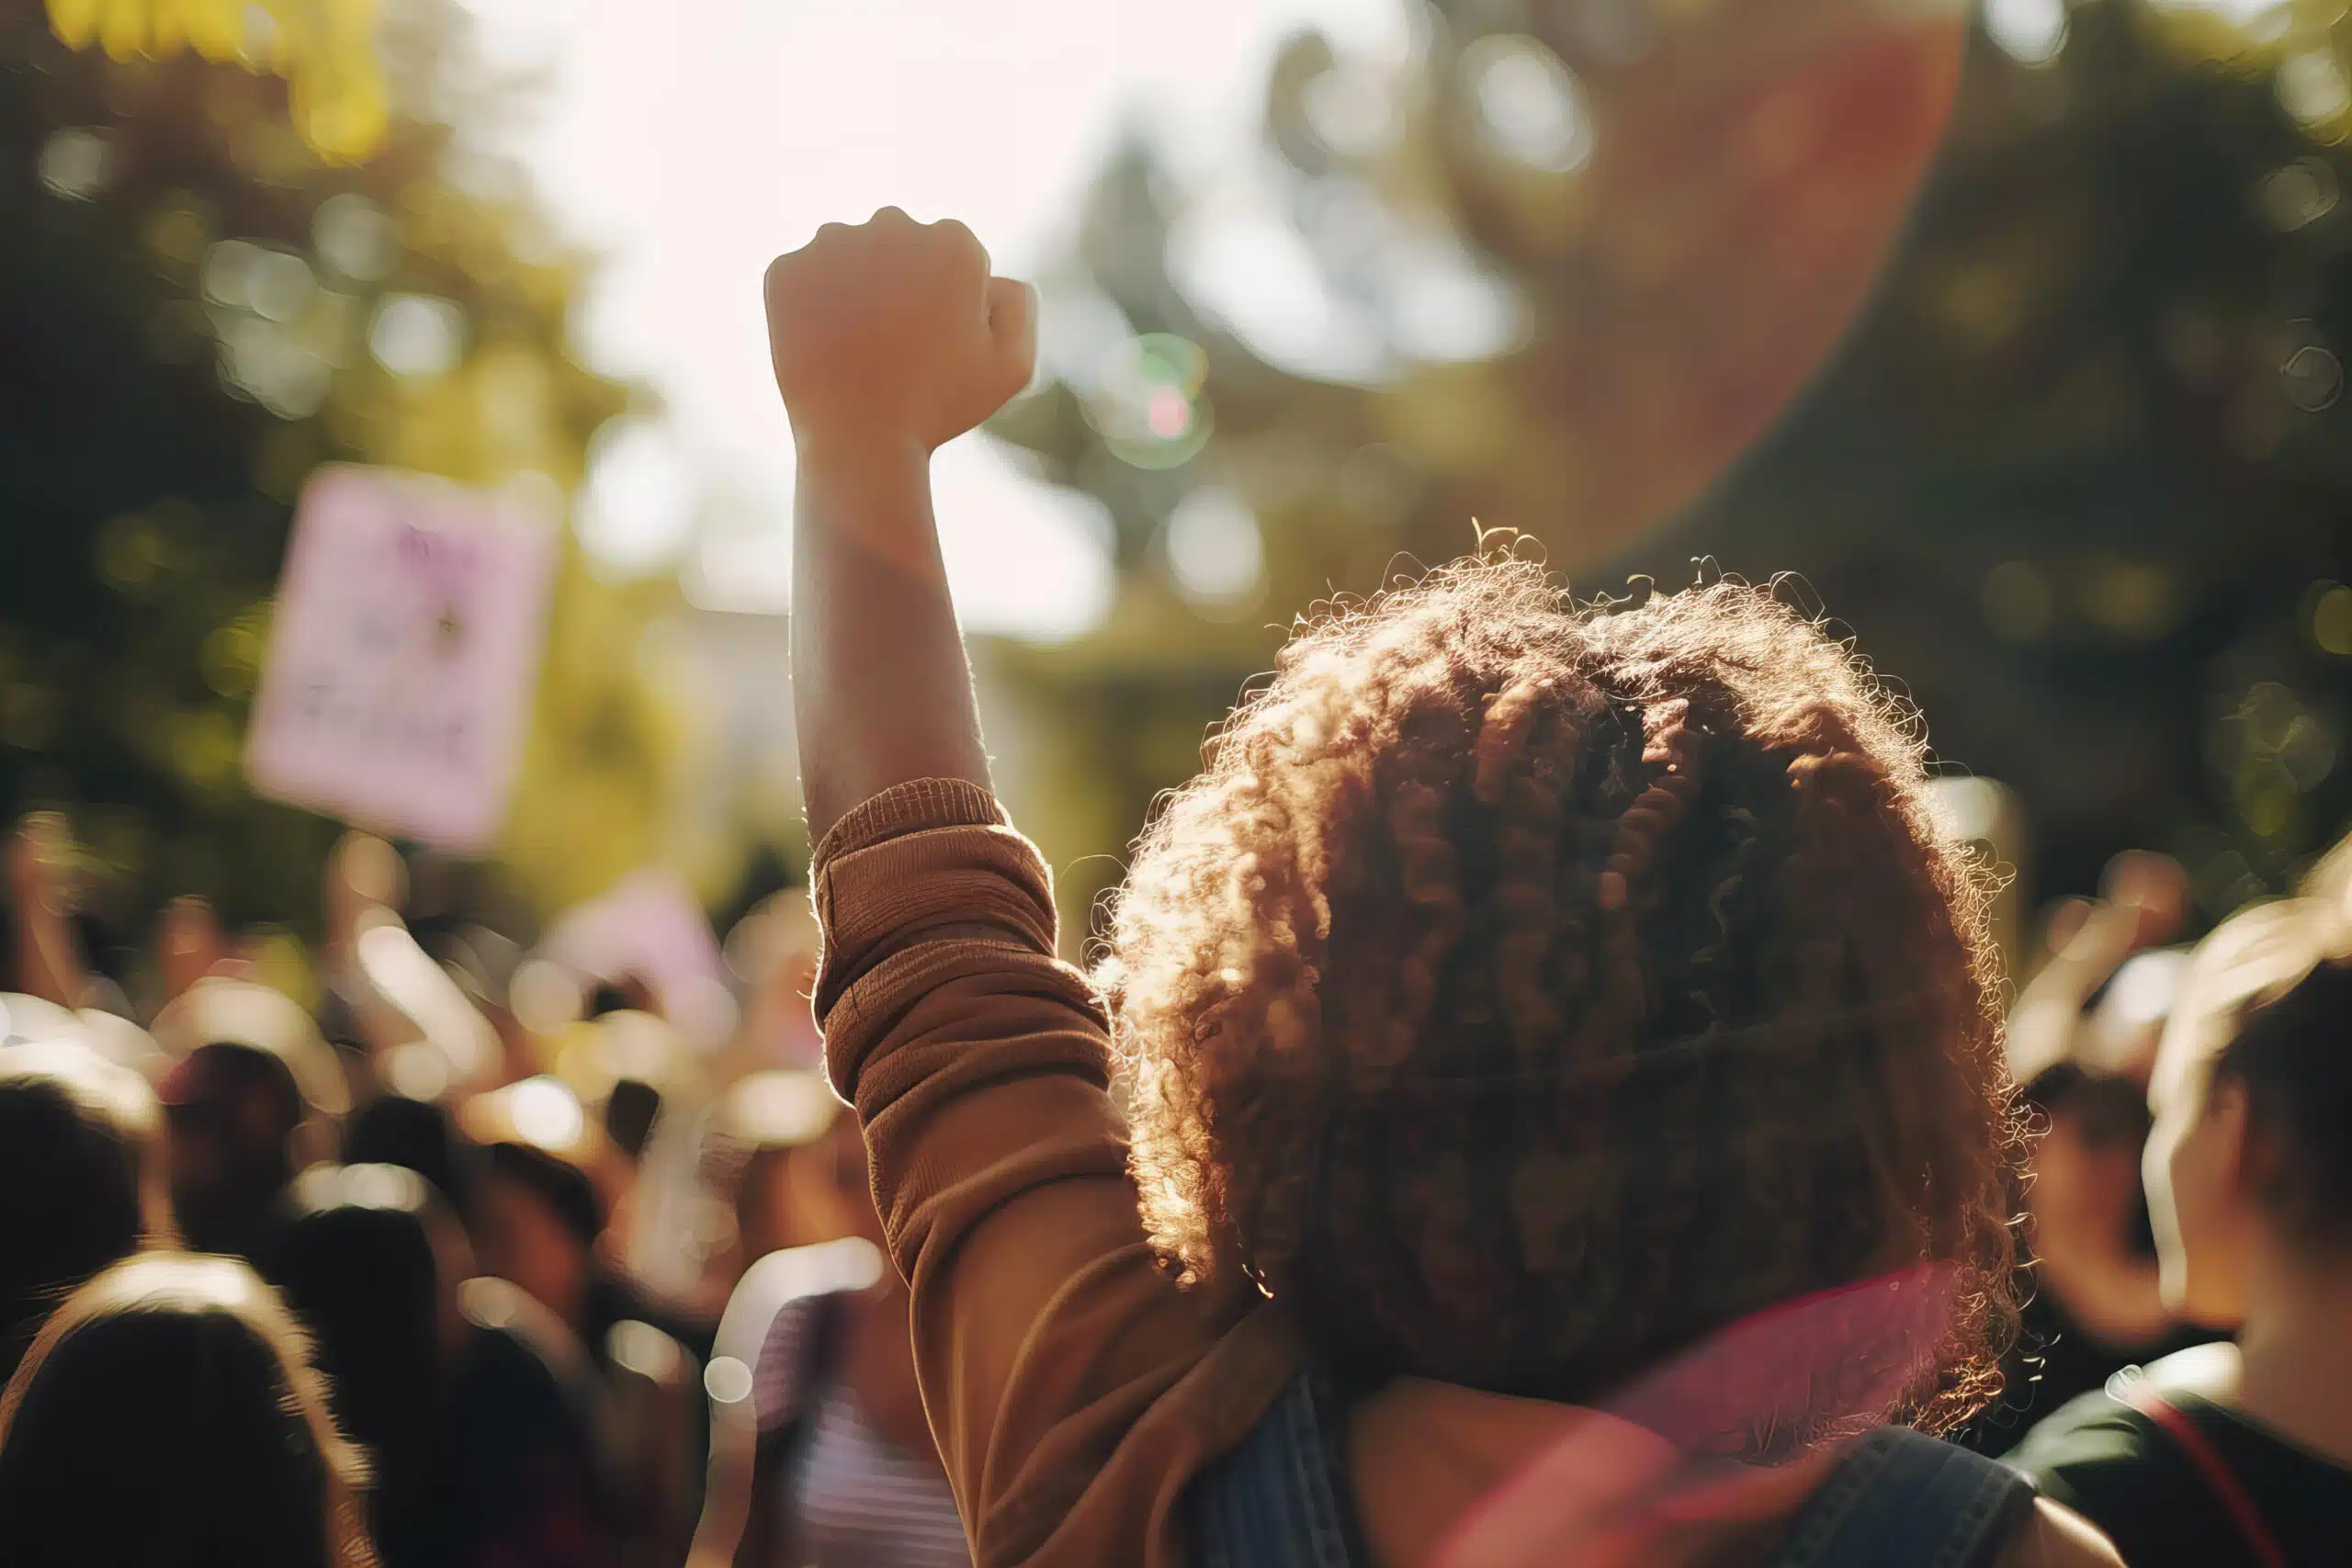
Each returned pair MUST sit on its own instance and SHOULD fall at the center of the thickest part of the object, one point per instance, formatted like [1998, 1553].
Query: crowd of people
[1549, 1094]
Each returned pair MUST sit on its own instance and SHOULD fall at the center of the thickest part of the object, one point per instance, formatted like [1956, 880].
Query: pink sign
[403, 655]
[649, 926]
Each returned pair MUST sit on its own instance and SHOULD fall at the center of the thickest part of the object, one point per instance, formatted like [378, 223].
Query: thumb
[1012, 325]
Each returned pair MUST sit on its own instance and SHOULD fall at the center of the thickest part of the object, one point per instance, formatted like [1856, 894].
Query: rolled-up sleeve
[1062, 1369]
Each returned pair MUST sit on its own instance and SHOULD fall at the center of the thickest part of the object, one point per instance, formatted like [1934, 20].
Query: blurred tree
[2061, 438]
[198, 306]
[324, 49]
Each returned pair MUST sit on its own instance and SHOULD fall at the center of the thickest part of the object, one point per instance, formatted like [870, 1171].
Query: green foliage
[324, 49]
[198, 306]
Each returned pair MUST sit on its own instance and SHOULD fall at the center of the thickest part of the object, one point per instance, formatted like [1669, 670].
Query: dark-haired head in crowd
[2239, 1455]
[167, 1417]
[81, 1165]
[419, 1135]
[537, 1223]
[233, 1113]
[478, 1456]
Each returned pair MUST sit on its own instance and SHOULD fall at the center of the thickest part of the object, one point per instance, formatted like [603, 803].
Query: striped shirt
[858, 1499]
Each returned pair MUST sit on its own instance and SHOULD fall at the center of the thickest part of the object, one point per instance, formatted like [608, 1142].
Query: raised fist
[893, 332]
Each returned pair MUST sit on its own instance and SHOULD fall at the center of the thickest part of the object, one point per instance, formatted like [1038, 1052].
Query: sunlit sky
[691, 142]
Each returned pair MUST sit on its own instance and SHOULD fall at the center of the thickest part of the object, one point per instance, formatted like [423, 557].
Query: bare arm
[889, 339]
[881, 691]
[2056, 1537]
[1053, 1354]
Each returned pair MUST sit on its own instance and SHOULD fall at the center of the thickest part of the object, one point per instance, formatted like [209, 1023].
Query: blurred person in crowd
[2082, 1040]
[1524, 994]
[772, 953]
[821, 1454]
[798, 1168]
[628, 1062]
[543, 1200]
[168, 1416]
[189, 945]
[549, 1178]
[418, 1135]
[253, 1096]
[82, 1180]
[2239, 1455]
[540, 1220]
[367, 881]
[47, 955]
[480, 1457]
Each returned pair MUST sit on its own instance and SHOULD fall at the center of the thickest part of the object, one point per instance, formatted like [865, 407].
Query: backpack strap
[1900, 1500]
[2219, 1479]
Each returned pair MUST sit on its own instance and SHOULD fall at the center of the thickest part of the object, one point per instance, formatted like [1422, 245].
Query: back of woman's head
[2270, 1012]
[82, 1174]
[2291, 1055]
[1525, 990]
[166, 1416]
[360, 1258]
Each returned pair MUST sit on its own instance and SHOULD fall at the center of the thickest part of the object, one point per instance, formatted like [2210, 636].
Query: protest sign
[403, 652]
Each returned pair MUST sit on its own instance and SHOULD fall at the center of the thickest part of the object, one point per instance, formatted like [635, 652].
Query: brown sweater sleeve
[1073, 1390]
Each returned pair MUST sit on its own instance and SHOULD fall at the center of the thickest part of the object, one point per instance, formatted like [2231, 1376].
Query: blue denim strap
[1282, 1499]
[1900, 1499]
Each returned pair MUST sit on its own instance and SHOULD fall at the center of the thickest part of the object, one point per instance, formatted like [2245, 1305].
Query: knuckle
[778, 277]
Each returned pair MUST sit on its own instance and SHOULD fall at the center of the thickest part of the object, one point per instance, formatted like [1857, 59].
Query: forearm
[882, 693]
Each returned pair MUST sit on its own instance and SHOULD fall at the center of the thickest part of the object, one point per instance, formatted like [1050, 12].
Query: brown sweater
[1073, 1389]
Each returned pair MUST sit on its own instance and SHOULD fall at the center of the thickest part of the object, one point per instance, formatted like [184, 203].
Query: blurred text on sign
[402, 654]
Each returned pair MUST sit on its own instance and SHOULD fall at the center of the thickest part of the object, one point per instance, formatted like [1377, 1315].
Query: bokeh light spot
[1349, 111]
[1148, 404]
[417, 335]
[726, 1380]
[1530, 106]
[131, 552]
[2331, 620]
[230, 659]
[2016, 601]
[545, 996]
[2031, 32]
[546, 1113]
[640, 498]
[2312, 87]
[2134, 600]
[2312, 378]
[416, 1071]
[356, 237]
[1216, 551]
[643, 1349]
[278, 285]
[75, 164]
[2304, 192]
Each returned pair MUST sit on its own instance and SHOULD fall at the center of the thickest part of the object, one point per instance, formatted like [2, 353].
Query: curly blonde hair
[1527, 989]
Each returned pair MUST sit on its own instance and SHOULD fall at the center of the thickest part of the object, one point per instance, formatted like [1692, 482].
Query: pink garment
[1822, 1370]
